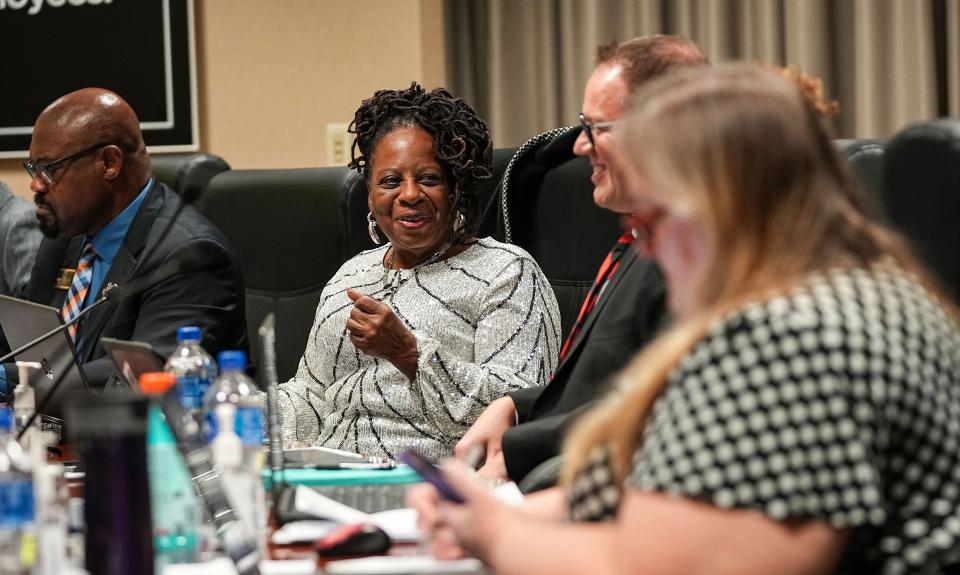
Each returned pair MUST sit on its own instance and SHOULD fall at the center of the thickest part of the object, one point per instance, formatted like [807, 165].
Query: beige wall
[272, 74]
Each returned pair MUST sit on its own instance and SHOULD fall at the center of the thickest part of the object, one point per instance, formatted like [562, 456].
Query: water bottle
[18, 544]
[233, 398]
[193, 368]
[172, 497]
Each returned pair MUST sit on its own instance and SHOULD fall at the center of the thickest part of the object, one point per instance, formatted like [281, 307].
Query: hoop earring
[372, 228]
[459, 223]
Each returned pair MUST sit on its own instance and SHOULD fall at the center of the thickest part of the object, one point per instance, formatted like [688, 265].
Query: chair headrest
[526, 169]
[274, 218]
[922, 193]
[865, 158]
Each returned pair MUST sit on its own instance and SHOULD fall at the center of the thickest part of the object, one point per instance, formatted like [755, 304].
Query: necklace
[388, 286]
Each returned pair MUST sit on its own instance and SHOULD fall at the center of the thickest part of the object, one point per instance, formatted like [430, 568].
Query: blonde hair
[738, 149]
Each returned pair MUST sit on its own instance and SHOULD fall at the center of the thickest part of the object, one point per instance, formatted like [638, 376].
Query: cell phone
[431, 474]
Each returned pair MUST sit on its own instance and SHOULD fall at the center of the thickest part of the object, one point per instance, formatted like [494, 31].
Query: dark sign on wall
[141, 49]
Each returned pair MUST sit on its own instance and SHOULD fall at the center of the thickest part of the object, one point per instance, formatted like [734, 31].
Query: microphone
[114, 293]
[106, 294]
[110, 293]
[268, 339]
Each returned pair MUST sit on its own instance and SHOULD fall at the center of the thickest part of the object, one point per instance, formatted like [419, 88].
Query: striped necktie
[79, 288]
[607, 269]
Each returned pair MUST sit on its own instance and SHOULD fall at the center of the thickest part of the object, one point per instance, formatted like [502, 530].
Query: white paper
[400, 524]
[303, 531]
[218, 566]
[295, 567]
[308, 501]
[223, 566]
[403, 565]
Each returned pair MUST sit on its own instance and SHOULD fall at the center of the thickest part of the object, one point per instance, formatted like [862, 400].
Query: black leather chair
[865, 157]
[285, 226]
[353, 216]
[544, 204]
[183, 171]
[922, 193]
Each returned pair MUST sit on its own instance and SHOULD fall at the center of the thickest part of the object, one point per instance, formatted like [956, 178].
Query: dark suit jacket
[207, 290]
[630, 310]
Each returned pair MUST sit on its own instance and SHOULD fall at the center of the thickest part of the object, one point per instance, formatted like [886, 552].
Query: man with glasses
[625, 305]
[103, 215]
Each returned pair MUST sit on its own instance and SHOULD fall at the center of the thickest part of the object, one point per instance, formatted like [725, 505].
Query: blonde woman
[803, 413]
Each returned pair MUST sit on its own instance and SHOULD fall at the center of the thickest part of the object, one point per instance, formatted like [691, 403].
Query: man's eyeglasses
[589, 127]
[47, 170]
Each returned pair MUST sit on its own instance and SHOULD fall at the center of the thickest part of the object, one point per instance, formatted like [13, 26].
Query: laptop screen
[23, 322]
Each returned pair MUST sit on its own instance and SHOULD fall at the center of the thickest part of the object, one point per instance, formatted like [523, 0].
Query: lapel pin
[64, 278]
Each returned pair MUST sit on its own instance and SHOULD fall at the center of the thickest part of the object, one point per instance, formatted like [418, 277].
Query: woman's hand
[375, 330]
[487, 432]
[443, 543]
[475, 523]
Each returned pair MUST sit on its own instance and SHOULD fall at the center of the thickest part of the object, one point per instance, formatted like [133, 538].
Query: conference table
[300, 552]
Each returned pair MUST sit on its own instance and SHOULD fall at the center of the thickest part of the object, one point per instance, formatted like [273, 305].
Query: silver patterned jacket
[486, 322]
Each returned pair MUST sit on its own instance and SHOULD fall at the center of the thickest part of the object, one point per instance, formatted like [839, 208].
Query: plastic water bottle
[233, 398]
[172, 498]
[193, 368]
[18, 545]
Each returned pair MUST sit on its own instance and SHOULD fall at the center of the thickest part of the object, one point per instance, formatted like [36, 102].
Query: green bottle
[172, 497]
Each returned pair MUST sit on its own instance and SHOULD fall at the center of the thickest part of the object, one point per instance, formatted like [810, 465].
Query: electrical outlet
[338, 144]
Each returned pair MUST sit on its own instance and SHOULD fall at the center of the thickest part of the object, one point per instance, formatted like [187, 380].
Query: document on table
[223, 566]
[404, 565]
[399, 524]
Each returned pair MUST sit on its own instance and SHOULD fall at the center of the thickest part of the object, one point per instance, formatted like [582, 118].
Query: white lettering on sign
[35, 6]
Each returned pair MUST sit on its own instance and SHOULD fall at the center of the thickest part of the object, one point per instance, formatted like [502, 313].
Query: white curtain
[523, 63]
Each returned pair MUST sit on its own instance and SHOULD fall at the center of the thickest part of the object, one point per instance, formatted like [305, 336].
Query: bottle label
[190, 390]
[249, 425]
[210, 426]
[16, 503]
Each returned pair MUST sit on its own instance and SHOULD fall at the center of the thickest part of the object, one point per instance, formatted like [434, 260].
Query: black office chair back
[285, 226]
[865, 158]
[544, 204]
[922, 193]
[180, 171]
[353, 217]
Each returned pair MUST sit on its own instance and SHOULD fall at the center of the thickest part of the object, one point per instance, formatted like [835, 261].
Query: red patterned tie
[78, 288]
[607, 269]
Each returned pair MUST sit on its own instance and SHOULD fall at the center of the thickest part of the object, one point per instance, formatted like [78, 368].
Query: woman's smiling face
[407, 194]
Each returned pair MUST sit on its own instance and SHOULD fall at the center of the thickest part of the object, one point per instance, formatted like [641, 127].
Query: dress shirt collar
[108, 240]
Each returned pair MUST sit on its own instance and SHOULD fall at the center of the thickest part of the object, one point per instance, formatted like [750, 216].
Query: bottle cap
[188, 333]
[155, 383]
[232, 360]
